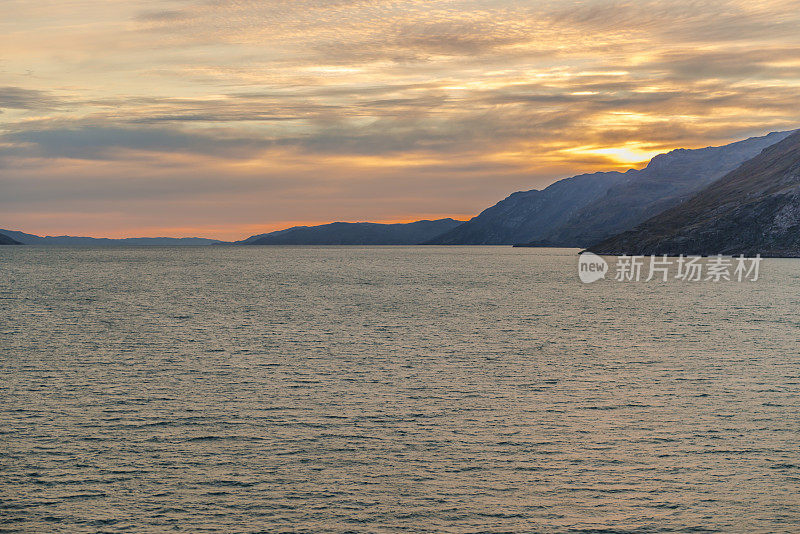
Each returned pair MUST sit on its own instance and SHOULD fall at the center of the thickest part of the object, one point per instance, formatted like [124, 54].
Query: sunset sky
[228, 118]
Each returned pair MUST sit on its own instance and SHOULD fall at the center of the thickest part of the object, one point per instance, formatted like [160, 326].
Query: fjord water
[391, 389]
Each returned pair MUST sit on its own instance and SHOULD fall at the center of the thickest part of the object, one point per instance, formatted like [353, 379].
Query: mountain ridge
[578, 211]
[525, 212]
[754, 209]
[355, 233]
[77, 241]
[583, 209]
[6, 240]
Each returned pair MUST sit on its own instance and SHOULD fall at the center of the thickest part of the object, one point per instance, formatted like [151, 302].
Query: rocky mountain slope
[526, 214]
[753, 210]
[584, 209]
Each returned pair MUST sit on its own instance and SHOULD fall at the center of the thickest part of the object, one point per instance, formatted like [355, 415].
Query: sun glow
[630, 154]
[211, 116]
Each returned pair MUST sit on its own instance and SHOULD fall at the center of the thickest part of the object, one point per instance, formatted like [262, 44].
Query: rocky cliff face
[582, 210]
[753, 210]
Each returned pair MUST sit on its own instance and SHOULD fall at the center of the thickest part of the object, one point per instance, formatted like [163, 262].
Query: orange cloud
[229, 115]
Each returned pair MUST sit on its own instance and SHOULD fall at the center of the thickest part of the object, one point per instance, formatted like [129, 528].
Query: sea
[391, 390]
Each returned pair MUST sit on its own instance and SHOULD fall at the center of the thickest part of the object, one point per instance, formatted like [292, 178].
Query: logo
[591, 267]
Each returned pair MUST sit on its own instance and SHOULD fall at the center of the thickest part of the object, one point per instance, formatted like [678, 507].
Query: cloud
[104, 142]
[299, 108]
[731, 63]
[162, 16]
[21, 98]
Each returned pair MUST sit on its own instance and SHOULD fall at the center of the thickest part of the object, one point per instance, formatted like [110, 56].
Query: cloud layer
[230, 117]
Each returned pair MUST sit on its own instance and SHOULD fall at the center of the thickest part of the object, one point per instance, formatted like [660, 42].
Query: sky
[227, 118]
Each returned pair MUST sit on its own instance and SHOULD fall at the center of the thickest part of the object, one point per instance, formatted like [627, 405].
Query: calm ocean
[391, 389]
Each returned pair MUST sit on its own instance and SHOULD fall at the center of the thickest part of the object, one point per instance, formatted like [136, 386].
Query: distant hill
[582, 210]
[358, 233]
[5, 240]
[753, 210]
[72, 241]
[528, 214]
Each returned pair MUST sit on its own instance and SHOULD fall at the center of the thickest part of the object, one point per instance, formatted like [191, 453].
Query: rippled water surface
[392, 389]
